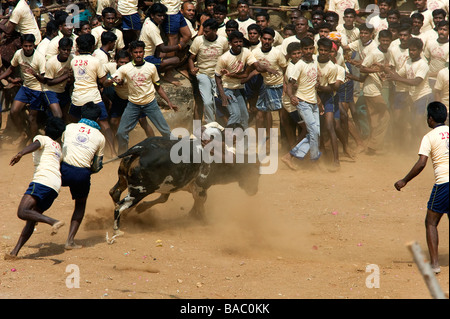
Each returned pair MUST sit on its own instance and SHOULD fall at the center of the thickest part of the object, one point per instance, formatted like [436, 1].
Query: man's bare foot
[336, 166]
[287, 159]
[349, 154]
[70, 246]
[184, 73]
[56, 226]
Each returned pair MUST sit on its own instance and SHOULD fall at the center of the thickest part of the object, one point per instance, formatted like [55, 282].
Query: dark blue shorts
[345, 92]
[253, 85]
[51, 97]
[132, 22]
[401, 100]
[173, 22]
[330, 104]
[421, 104]
[78, 179]
[75, 111]
[154, 60]
[438, 201]
[45, 195]
[29, 96]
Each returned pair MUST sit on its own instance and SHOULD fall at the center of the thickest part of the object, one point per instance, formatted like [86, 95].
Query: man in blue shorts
[131, 21]
[435, 144]
[82, 151]
[46, 183]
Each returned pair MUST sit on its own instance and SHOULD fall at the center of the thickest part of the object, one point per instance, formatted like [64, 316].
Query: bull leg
[147, 205]
[118, 189]
[126, 203]
[199, 194]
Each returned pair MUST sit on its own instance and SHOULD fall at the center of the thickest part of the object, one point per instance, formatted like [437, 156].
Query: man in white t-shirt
[109, 17]
[421, 7]
[65, 30]
[32, 67]
[82, 153]
[22, 20]
[434, 145]
[243, 18]
[441, 88]
[131, 20]
[46, 183]
[143, 84]
[205, 52]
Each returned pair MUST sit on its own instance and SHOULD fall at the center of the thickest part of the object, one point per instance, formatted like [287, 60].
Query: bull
[147, 168]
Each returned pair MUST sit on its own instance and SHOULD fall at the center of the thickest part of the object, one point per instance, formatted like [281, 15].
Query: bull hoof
[118, 232]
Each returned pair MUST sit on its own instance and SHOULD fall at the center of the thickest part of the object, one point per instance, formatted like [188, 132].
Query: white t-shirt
[398, 57]
[234, 64]
[102, 4]
[208, 53]
[243, 25]
[25, 21]
[173, 6]
[286, 42]
[121, 90]
[286, 100]
[435, 146]
[437, 55]
[81, 143]
[443, 86]
[339, 7]
[273, 59]
[373, 84]
[127, 7]
[86, 70]
[306, 76]
[140, 79]
[54, 69]
[437, 4]
[36, 62]
[47, 161]
[348, 36]
[53, 46]
[97, 33]
[326, 73]
[151, 36]
[417, 69]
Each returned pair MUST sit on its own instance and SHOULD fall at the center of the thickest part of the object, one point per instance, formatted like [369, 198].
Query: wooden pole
[426, 271]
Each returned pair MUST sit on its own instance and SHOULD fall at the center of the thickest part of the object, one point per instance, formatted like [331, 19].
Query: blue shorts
[270, 98]
[132, 22]
[331, 104]
[154, 60]
[401, 100]
[75, 111]
[29, 96]
[253, 86]
[173, 23]
[77, 178]
[45, 195]
[421, 104]
[51, 97]
[438, 201]
[345, 92]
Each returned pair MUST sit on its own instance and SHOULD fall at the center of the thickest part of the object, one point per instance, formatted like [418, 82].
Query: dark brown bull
[147, 168]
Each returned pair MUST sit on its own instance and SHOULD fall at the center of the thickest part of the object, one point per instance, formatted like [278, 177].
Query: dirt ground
[305, 235]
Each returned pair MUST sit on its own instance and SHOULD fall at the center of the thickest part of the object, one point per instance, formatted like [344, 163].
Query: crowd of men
[329, 74]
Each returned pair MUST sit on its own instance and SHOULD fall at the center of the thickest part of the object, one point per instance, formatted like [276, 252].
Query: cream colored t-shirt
[435, 146]
[47, 160]
[243, 25]
[121, 90]
[339, 7]
[361, 49]
[36, 62]
[140, 79]
[102, 57]
[43, 45]
[273, 59]
[437, 4]
[86, 70]
[173, 6]
[53, 46]
[25, 21]
[326, 73]
[417, 69]
[349, 36]
[81, 143]
[208, 53]
[151, 36]
[234, 64]
[443, 86]
[398, 57]
[97, 33]
[437, 55]
[54, 69]
[127, 7]
[286, 42]
[286, 100]
[306, 76]
[102, 4]
[373, 84]
[378, 25]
